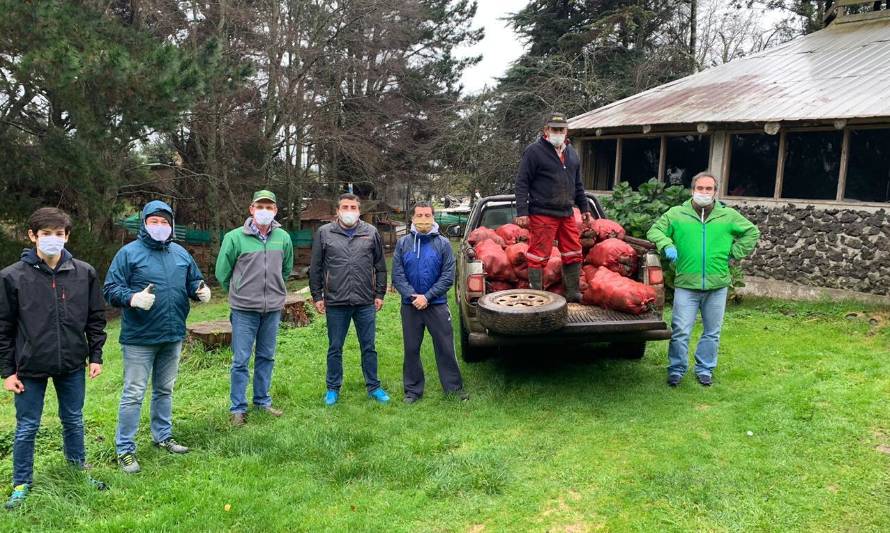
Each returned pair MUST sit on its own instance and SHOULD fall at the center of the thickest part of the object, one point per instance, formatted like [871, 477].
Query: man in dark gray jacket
[347, 278]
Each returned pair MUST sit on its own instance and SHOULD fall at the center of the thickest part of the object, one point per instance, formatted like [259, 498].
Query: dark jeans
[70, 391]
[365, 319]
[436, 319]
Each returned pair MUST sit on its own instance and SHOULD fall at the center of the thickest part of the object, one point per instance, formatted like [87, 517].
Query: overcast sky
[499, 48]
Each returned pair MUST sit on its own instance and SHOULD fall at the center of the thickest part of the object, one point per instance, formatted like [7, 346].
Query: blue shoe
[379, 394]
[331, 397]
[19, 493]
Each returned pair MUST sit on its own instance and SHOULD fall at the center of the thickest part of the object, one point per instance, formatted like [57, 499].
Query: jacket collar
[30, 257]
[248, 227]
[718, 210]
[361, 228]
[552, 149]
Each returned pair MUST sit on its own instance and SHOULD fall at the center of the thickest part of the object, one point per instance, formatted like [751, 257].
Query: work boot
[570, 278]
[536, 278]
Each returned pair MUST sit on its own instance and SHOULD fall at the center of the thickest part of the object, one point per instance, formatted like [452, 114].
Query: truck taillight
[476, 283]
[656, 276]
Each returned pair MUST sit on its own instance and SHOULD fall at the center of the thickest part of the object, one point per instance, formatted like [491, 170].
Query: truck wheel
[470, 354]
[523, 312]
[627, 350]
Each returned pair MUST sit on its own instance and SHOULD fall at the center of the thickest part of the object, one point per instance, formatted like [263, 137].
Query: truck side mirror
[454, 231]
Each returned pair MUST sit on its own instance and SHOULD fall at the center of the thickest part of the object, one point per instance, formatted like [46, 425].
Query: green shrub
[638, 210]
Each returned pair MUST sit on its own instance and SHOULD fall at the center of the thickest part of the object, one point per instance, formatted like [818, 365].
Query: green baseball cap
[264, 195]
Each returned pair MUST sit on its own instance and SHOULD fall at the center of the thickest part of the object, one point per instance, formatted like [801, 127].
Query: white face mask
[159, 232]
[348, 218]
[263, 217]
[557, 139]
[50, 245]
[702, 200]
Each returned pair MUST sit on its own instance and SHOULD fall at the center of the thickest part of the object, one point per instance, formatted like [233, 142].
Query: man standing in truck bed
[548, 185]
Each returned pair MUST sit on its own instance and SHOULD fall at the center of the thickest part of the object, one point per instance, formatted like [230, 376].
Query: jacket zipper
[164, 260]
[58, 324]
[265, 272]
[704, 255]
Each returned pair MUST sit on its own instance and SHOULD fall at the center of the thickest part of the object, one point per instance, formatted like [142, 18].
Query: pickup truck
[626, 334]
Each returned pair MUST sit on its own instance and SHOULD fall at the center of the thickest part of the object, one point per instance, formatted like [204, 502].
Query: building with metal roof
[798, 132]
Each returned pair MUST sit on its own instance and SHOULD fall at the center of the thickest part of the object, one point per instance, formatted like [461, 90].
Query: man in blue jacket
[422, 272]
[152, 279]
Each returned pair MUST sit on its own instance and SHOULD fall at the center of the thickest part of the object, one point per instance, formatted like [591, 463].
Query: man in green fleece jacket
[253, 264]
[700, 237]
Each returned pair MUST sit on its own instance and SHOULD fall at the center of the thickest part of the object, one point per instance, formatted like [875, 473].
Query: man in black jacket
[548, 185]
[52, 320]
[347, 277]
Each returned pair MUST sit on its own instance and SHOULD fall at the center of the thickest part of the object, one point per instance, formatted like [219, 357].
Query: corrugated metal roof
[842, 71]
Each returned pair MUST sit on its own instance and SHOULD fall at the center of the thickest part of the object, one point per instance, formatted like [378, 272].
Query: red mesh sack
[511, 233]
[576, 214]
[612, 291]
[553, 269]
[496, 286]
[516, 254]
[587, 296]
[494, 261]
[557, 288]
[604, 229]
[614, 254]
[483, 234]
[521, 272]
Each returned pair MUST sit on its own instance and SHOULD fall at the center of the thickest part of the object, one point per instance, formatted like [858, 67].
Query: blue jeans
[249, 328]
[161, 362]
[365, 319]
[687, 303]
[70, 391]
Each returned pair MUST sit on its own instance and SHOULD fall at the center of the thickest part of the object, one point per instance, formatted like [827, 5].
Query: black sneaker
[674, 380]
[411, 399]
[704, 379]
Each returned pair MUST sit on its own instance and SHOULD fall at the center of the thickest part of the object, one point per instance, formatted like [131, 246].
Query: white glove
[203, 294]
[143, 300]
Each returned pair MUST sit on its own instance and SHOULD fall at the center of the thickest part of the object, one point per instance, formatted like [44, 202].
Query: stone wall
[821, 246]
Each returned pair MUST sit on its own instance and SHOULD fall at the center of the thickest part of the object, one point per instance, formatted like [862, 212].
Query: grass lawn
[795, 435]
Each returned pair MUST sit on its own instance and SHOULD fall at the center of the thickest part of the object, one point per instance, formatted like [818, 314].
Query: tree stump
[296, 311]
[215, 334]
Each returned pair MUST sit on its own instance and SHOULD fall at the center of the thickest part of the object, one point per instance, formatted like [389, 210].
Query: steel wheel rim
[522, 300]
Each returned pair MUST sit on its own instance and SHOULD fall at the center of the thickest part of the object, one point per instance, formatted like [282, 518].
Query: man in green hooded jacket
[699, 237]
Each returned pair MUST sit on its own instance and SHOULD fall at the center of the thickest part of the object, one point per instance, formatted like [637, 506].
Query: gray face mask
[702, 200]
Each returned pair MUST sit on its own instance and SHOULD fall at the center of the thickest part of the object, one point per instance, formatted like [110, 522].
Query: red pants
[543, 230]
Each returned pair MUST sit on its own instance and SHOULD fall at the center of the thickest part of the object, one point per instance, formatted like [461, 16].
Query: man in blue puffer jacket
[422, 272]
[152, 279]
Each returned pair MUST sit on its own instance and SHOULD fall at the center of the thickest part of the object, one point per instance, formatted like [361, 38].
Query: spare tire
[523, 312]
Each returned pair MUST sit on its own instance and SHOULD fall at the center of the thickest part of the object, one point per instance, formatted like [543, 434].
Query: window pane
[686, 156]
[812, 165]
[639, 160]
[598, 161]
[868, 167]
[752, 167]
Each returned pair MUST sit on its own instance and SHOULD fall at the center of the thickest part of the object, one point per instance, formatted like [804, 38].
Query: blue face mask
[159, 232]
[50, 245]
